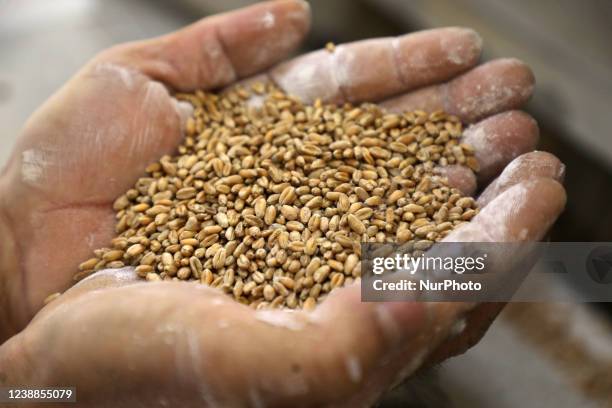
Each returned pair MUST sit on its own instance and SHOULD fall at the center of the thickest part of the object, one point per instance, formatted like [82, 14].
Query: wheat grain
[270, 204]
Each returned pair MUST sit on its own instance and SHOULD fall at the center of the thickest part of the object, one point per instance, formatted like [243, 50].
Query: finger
[219, 49]
[175, 329]
[543, 200]
[374, 344]
[401, 64]
[499, 139]
[477, 322]
[106, 278]
[207, 346]
[524, 212]
[488, 89]
[459, 177]
[103, 279]
[526, 167]
[496, 140]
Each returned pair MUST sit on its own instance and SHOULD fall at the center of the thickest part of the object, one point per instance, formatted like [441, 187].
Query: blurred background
[536, 355]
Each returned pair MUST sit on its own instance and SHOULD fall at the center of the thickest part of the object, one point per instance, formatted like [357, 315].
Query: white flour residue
[283, 319]
[454, 53]
[309, 78]
[491, 224]
[37, 162]
[268, 20]
[463, 51]
[195, 357]
[456, 56]
[153, 104]
[218, 68]
[353, 368]
[345, 68]
[125, 274]
[33, 165]
[96, 138]
[125, 75]
[168, 333]
[212, 49]
[510, 172]
[216, 301]
[284, 41]
[483, 142]
[561, 172]
[458, 327]
[90, 240]
[499, 90]
[530, 163]
[387, 323]
[155, 94]
[415, 362]
[184, 109]
[495, 220]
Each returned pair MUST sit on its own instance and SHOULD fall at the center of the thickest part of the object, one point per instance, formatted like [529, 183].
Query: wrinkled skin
[125, 343]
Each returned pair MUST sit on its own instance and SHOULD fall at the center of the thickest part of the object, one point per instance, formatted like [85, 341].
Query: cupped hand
[182, 342]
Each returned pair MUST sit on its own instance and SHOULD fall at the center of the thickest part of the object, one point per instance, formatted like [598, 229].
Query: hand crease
[77, 206]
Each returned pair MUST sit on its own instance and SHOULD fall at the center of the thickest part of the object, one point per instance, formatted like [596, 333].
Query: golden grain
[270, 205]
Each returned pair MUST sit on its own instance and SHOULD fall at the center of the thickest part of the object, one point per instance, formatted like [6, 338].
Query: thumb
[374, 345]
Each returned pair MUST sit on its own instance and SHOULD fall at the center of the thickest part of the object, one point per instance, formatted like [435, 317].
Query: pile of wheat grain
[268, 199]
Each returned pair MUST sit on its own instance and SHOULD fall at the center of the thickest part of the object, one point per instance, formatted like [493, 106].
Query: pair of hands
[122, 342]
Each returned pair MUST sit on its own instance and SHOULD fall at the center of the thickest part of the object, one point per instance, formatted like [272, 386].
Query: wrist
[14, 363]
[9, 267]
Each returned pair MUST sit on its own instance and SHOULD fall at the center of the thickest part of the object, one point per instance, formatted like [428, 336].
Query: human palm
[92, 140]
